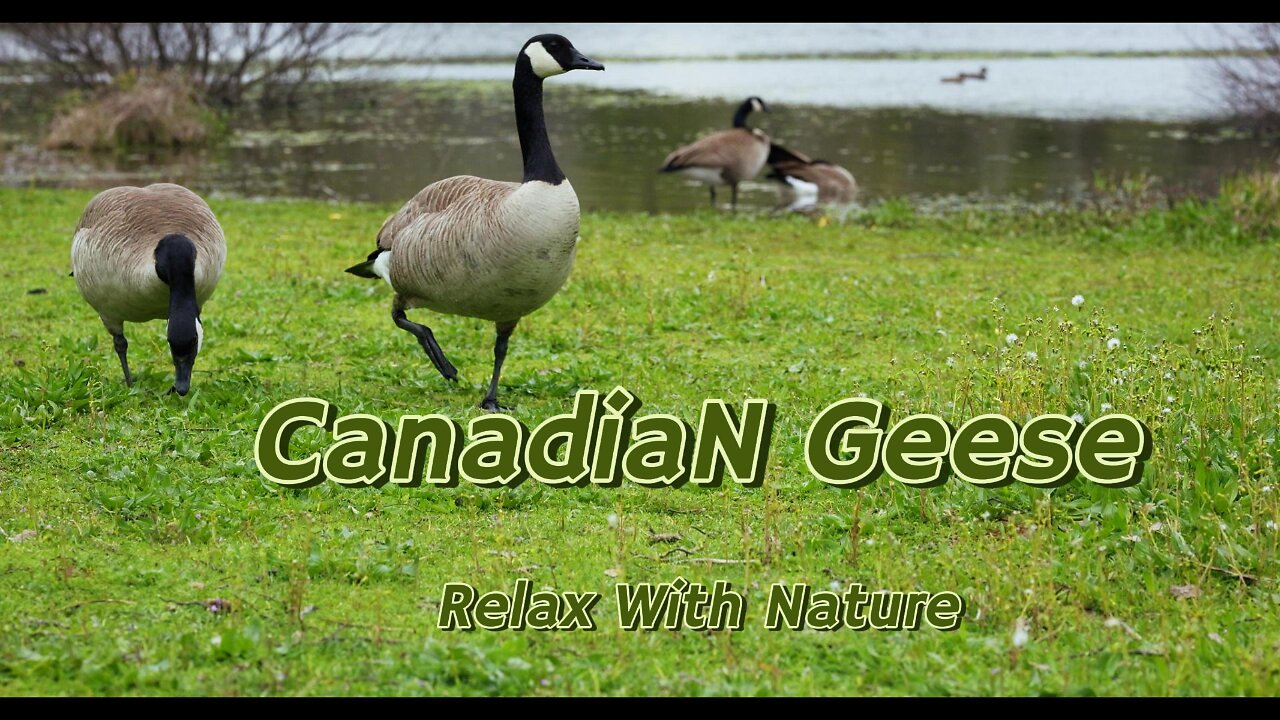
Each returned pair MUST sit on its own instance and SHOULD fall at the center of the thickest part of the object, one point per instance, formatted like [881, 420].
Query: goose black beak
[182, 376]
[582, 62]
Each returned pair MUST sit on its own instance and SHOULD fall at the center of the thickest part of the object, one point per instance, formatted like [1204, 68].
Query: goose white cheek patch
[382, 266]
[199, 335]
[544, 65]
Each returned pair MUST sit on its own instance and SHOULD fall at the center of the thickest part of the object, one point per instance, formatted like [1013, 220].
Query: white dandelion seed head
[1078, 300]
[1077, 417]
[1011, 338]
[612, 520]
[1113, 343]
[1106, 407]
[1082, 364]
[1031, 355]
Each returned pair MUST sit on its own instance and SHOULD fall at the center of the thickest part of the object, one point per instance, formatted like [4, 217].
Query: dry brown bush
[157, 110]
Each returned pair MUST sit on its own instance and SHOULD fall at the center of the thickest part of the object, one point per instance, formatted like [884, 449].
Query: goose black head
[748, 106]
[176, 266]
[552, 54]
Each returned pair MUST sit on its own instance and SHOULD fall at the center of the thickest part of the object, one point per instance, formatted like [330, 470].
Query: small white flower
[834, 584]
[1168, 398]
[1113, 343]
[1031, 355]
[1078, 300]
[1106, 407]
[1020, 635]
[1082, 364]
[1157, 527]
[986, 515]
[1165, 411]
[1132, 538]
[1271, 524]
[1011, 338]
[1266, 488]
[1077, 417]
[711, 276]
[951, 361]
[869, 541]
[612, 520]
[216, 640]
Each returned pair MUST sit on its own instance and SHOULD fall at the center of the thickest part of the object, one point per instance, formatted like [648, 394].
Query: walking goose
[724, 158]
[483, 248]
[147, 253]
[810, 181]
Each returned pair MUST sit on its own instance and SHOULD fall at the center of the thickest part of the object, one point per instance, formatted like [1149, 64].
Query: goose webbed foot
[504, 330]
[491, 405]
[428, 342]
[122, 350]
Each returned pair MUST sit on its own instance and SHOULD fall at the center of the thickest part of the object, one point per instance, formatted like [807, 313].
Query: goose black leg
[122, 349]
[490, 402]
[427, 340]
[733, 202]
[712, 188]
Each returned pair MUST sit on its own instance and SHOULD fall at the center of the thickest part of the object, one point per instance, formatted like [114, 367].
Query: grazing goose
[483, 248]
[724, 158]
[810, 181]
[147, 253]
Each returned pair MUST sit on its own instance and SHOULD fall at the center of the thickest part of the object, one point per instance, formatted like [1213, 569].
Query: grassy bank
[144, 554]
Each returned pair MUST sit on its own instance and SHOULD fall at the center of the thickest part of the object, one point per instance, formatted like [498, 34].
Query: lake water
[1040, 128]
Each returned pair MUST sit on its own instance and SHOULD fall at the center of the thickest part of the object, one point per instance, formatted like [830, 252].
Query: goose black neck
[740, 117]
[539, 161]
[176, 267]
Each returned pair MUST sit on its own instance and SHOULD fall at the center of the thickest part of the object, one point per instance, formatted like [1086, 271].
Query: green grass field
[127, 512]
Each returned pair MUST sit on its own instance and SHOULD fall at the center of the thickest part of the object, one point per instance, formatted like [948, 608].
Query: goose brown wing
[466, 197]
[721, 149]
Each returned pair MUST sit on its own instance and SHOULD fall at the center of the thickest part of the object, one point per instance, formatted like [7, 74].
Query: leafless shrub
[1250, 78]
[222, 61]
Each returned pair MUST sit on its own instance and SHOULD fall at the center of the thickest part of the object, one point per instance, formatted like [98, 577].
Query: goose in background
[148, 253]
[805, 182]
[980, 75]
[483, 248]
[727, 157]
[954, 79]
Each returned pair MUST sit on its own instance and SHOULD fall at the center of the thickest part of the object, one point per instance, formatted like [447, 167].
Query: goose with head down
[150, 253]
[807, 182]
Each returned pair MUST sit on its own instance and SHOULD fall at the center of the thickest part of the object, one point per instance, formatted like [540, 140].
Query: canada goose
[147, 253]
[810, 181]
[980, 75]
[954, 79]
[483, 248]
[724, 158]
